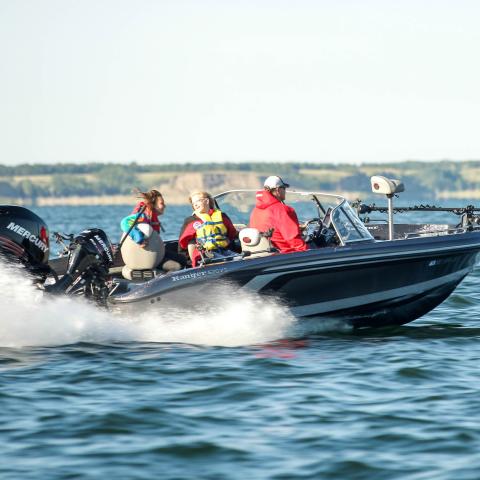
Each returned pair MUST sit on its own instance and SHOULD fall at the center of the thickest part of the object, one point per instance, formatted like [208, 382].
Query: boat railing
[446, 231]
[436, 233]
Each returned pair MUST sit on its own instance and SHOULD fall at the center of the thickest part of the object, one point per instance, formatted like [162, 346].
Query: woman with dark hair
[145, 215]
[146, 211]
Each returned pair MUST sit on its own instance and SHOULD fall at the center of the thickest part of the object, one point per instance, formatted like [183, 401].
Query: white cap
[275, 182]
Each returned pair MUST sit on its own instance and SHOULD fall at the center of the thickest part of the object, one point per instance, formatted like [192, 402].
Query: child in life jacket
[207, 227]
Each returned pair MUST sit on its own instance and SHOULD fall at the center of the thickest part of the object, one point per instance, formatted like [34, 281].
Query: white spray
[28, 317]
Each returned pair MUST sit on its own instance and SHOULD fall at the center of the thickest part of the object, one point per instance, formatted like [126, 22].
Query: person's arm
[298, 244]
[287, 224]
[135, 234]
[187, 234]
[193, 253]
[187, 242]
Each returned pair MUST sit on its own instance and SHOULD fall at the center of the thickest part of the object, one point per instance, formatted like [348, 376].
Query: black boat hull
[365, 285]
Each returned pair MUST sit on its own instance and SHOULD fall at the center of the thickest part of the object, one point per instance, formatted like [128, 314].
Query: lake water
[241, 393]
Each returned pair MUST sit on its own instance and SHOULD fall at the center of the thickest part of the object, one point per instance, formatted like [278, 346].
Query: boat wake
[29, 318]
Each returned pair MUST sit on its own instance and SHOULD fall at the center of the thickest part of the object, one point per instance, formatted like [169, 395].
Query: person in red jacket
[270, 212]
[207, 226]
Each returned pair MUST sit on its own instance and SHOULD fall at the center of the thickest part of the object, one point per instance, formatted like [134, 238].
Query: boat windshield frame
[341, 217]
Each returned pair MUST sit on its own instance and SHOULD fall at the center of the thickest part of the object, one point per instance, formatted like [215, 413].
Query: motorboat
[366, 274]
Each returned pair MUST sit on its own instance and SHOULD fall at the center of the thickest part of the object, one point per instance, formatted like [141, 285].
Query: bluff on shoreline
[97, 183]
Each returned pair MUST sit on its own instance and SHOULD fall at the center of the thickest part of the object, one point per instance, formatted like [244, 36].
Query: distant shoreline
[181, 200]
[113, 184]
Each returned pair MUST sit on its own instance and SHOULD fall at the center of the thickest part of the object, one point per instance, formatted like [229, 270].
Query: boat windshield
[330, 209]
[348, 226]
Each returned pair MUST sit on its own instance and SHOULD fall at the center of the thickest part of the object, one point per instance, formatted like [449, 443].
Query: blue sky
[192, 81]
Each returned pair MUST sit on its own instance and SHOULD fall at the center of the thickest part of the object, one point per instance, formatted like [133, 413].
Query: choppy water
[245, 392]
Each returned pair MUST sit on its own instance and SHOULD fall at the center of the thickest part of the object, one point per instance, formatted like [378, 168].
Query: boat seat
[137, 258]
[138, 275]
[255, 242]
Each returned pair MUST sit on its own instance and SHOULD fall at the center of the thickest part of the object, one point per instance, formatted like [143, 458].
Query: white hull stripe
[378, 257]
[261, 280]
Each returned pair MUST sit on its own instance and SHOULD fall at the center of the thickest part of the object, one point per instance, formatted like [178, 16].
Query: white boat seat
[142, 275]
[255, 242]
[139, 275]
[142, 258]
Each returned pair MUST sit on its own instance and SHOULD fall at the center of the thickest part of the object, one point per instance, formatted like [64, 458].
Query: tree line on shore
[426, 179]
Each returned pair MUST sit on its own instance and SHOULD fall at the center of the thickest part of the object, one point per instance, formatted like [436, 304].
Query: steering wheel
[318, 233]
[311, 229]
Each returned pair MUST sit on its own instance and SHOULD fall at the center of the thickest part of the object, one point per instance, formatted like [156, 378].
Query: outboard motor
[89, 259]
[24, 237]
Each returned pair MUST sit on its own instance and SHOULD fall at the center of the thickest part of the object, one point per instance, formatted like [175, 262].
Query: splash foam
[30, 318]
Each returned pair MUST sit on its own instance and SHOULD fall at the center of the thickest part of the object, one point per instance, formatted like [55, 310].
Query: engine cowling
[24, 235]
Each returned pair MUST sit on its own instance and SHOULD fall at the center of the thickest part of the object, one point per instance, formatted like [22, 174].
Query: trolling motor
[389, 187]
[469, 215]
